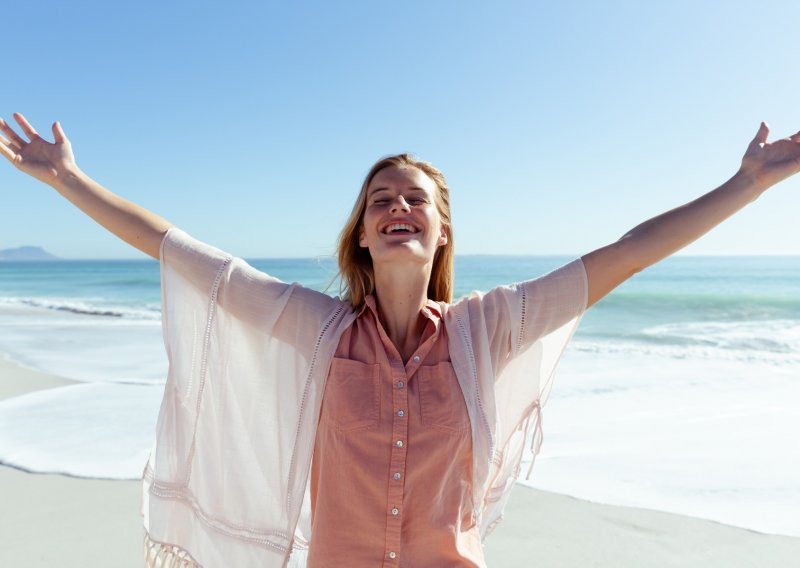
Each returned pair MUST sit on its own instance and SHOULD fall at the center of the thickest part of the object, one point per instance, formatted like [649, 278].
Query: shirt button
[416, 358]
[395, 511]
[400, 384]
[401, 413]
[399, 443]
[392, 554]
[397, 475]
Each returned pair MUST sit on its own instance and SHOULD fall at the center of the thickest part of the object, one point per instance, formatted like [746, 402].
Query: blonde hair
[355, 262]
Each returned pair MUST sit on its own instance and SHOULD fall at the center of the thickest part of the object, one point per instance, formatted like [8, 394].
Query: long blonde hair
[355, 262]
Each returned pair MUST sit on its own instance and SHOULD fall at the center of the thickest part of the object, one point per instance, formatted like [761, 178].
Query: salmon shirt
[393, 454]
[262, 458]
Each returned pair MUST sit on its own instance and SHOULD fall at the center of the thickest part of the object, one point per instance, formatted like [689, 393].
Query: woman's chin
[403, 252]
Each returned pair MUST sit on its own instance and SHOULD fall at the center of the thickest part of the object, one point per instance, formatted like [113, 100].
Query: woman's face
[401, 220]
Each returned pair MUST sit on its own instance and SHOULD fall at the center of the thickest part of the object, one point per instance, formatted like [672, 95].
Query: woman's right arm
[54, 164]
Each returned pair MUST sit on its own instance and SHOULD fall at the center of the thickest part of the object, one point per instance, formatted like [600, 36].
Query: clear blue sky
[559, 125]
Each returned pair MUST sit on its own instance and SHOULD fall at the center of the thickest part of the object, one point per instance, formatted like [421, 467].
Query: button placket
[398, 398]
[399, 381]
[397, 466]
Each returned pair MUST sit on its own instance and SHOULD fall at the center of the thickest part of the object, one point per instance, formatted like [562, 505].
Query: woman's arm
[763, 165]
[54, 164]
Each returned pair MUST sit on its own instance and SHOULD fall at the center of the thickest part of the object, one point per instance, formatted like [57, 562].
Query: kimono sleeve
[197, 278]
[532, 324]
[241, 346]
[529, 325]
[542, 314]
[552, 304]
[219, 312]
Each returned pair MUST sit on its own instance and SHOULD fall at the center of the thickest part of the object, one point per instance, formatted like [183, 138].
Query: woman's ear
[442, 237]
[362, 237]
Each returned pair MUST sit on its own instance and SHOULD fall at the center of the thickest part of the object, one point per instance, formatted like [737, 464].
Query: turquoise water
[725, 291]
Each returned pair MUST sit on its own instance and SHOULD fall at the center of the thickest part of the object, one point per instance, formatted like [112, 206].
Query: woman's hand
[765, 164]
[55, 165]
[37, 157]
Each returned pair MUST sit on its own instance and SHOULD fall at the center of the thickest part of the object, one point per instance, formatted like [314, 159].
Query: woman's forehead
[402, 177]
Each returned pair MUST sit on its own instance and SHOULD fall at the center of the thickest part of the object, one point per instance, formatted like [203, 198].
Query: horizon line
[470, 255]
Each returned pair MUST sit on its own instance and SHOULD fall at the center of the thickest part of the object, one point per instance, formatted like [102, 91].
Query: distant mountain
[26, 253]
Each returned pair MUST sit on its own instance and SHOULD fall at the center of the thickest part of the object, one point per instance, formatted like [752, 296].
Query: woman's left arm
[763, 165]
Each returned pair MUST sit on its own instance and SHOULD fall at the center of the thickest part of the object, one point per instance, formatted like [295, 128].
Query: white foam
[89, 430]
[98, 307]
[84, 347]
[712, 439]
[784, 353]
[781, 336]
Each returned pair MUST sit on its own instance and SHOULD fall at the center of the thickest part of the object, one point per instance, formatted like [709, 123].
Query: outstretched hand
[767, 163]
[36, 157]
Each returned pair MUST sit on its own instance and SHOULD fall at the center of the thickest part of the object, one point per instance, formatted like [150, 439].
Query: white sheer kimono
[227, 481]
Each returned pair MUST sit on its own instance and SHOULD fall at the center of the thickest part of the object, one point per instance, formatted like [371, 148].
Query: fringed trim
[162, 555]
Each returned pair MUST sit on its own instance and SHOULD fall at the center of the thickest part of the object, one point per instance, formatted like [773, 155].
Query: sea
[680, 391]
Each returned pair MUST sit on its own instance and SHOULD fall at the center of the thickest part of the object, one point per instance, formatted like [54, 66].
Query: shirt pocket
[352, 395]
[441, 401]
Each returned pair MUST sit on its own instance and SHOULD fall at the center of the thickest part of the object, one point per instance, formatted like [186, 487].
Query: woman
[386, 428]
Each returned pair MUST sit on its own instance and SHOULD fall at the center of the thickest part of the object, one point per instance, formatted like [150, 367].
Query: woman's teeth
[400, 227]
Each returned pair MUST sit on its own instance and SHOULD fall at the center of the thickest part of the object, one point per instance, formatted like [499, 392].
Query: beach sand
[54, 520]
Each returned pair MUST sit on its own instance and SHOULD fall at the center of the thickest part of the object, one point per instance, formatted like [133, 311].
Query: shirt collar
[431, 310]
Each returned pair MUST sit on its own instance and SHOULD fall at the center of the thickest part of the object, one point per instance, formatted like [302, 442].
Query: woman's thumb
[58, 133]
[761, 135]
[759, 140]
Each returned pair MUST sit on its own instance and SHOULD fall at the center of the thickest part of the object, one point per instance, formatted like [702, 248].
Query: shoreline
[17, 379]
[52, 519]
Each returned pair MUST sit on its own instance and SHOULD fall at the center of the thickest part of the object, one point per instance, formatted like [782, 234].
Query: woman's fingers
[15, 139]
[4, 141]
[58, 133]
[7, 151]
[26, 127]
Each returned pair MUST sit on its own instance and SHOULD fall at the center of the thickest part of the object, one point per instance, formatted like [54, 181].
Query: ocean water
[680, 391]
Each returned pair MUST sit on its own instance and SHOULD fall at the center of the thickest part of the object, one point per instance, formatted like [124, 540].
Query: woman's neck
[401, 292]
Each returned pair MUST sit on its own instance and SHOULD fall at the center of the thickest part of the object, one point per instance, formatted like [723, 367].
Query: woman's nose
[400, 204]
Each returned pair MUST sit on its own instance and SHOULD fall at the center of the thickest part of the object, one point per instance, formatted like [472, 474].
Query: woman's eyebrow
[377, 189]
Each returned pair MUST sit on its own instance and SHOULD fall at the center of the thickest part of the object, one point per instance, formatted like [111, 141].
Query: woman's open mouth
[399, 229]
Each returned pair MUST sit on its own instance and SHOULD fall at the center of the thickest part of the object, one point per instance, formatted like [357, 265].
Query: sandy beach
[54, 520]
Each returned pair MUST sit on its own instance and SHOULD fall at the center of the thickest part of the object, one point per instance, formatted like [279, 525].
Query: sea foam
[709, 438]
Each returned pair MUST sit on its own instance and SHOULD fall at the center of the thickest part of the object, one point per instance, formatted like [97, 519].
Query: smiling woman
[383, 428]
[398, 189]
